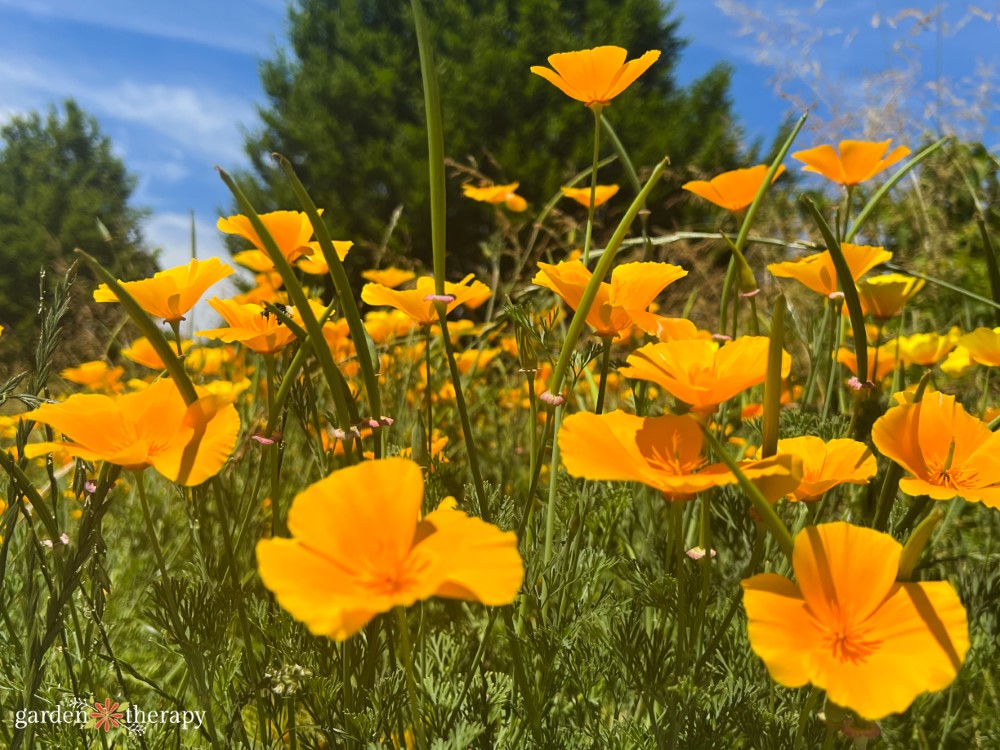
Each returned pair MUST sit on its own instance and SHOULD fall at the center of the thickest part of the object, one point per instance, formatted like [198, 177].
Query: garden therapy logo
[107, 716]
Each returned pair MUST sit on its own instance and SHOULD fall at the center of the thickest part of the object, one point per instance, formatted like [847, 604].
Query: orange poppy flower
[95, 376]
[251, 325]
[390, 277]
[497, 194]
[983, 346]
[849, 628]
[881, 361]
[949, 452]
[818, 272]
[733, 190]
[617, 305]
[662, 452]
[291, 231]
[142, 352]
[825, 465]
[595, 76]
[701, 373]
[359, 547]
[315, 264]
[856, 161]
[602, 194]
[152, 427]
[926, 349]
[171, 293]
[883, 296]
[419, 303]
[256, 260]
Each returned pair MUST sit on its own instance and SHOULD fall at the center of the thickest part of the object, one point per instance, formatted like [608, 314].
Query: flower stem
[427, 394]
[831, 382]
[605, 366]
[411, 681]
[596, 109]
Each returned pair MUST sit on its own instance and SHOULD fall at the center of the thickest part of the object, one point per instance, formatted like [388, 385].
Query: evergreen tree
[346, 106]
[58, 178]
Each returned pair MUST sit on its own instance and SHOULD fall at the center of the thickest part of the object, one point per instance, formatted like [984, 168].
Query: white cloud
[247, 28]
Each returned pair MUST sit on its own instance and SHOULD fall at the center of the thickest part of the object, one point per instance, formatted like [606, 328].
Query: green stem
[428, 394]
[815, 357]
[193, 657]
[406, 655]
[831, 382]
[596, 109]
[605, 366]
[550, 509]
[807, 707]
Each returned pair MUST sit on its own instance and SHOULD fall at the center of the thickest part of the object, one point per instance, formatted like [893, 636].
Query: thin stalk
[406, 655]
[197, 668]
[550, 509]
[596, 109]
[819, 345]
[605, 366]
[807, 707]
[831, 382]
[427, 393]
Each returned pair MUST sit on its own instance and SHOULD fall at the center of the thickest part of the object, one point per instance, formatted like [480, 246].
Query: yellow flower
[733, 190]
[170, 294]
[594, 76]
[618, 305]
[662, 452]
[419, 303]
[291, 231]
[142, 352]
[957, 362]
[95, 376]
[359, 547]
[881, 361]
[818, 272]
[825, 465]
[700, 373]
[983, 346]
[316, 264]
[188, 444]
[390, 277]
[949, 452]
[856, 161]
[602, 194]
[251, 325]
[926, 349]
[497, 194]
[849, 628]
[883, 296]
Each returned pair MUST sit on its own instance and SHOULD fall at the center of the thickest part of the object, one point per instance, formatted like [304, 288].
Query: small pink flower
[64, 538]
[552, 399]
[338, 434]
[754, 293]
[697, 553]
[836, 295]
[446, 298]
[854, 384]
[262, 440]
[90, 487]
[721, 337]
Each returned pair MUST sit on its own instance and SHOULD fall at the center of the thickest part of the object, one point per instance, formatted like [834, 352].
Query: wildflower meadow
[598, 495]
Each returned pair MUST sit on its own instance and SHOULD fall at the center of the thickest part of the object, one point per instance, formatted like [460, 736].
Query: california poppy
[883, 296]
[818, 273]
[154, 427]
[497, 194]
[142, 352]
[419, 303]
[390, 277]
[359, 547]
[947, 451]
[849, 628]
[983, 346]
[733, 190]
[251, 325]
[617, 305]
[171, 293]
[290, 231]
[700, 373]
[825, 465]
[662, 452]
[594, 76]
[856, 161]
[97, 375]
[602, 194]
[926, 349]
[881, 361]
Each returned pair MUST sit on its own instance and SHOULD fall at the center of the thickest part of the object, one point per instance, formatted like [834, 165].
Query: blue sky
[175, 84]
